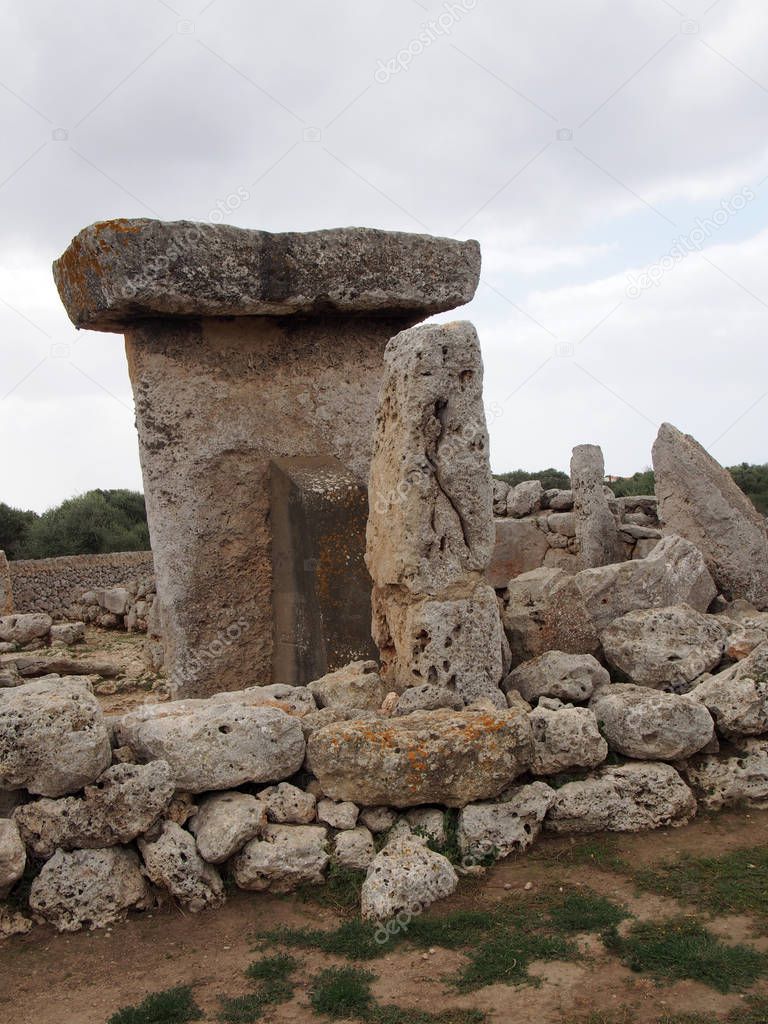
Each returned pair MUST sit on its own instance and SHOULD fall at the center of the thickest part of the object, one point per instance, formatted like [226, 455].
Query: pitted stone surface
[738, 779]
[13, 856]
[569, 677]
[288, 856]
[405, 876]
[651, 725]
[597, 533]
[225, 822]
[356, 685]
[543, 610]
[172, 862]
[498, 829]
[738, 697]
[564, 739]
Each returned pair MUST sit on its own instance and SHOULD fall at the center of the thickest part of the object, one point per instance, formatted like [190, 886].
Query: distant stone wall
[50, 584]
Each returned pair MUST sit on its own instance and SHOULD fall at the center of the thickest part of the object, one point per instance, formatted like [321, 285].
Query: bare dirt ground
[84, 978]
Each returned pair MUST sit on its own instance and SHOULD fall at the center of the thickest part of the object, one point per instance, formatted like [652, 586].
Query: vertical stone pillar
[244, 347]
[6, 588]
[430, 528]
[597, 532]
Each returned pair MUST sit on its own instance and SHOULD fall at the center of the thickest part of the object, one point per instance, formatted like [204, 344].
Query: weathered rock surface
[172, 862]
[6, 587]
[429, 822]
[289, 805]
[357, 685]
[597, 533]
[215, 745]
[13, 856]
[340, 815]
[353, 848]
[378, 819]
[123, 803]
[89, 888]
[23, 629]
[699, 500]
[329, 716]
[521, 546]
[427, 697]
[288, 856]
[68, 633]
[565, 738]
[622, 798]
[293, 700]
[12, 923]
[650, 724]
[53, 737]
[543, 610]
[405, 876]
[569, 677]
[225, 822]
[524, 498]
[738, 779]
[665, 648]
[498, 829]
[738, 697]
[447, 757]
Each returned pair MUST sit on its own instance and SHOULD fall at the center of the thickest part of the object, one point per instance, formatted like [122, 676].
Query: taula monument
[256, 360]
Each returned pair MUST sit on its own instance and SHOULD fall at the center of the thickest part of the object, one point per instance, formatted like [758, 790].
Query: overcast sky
[611, 158]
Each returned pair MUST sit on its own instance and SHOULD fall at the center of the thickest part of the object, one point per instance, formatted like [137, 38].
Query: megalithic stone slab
[699, 500]
[244, 347]
[321, 587]
[597, 531]
[6, 588]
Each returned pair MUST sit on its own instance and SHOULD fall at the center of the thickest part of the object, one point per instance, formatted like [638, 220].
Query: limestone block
[289, 805]
[737, 779]
[225, 822]
[543, 610]
[172, 862]
[596, 529]
[356, 685]
[23, 629]
[354, 848]
[68, 632]
[429, 822]
[569, 677]
[738, 697]
[340, 815]
[499, 829]
[521, 545]
[427, 697]
[405, 876]
[500, 492]
[6, 588]
[525, 498]
[13, 856]
[565, 739]
[327, 716]
[378, 819]
[288, 856]
[651, 725]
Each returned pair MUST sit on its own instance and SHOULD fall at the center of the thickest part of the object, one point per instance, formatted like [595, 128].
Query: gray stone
[665, 648]
[89, 888]
[446, 757]
[597, 534]
[405, 876]
[524, 498]
[427, 697]
[53, 737]
[341, 815]
[736, 780]
[172, 862]
[521, 545]
[558, 500]
[293, 700]
[13, 856]
[289, 805]
[622, 798]
[569, 677]
[68, 632]
[215, 745]
[328, 716]
[225, 822]
[700, 501]
[378, 819]
[500, 492]
[543, 610]
[498, 829]
[738, 697]
[114, 599]
[564, 739]
[356, 685]
[651, 725]
[354, 849]
[288, 856]
[429, 822]
[23, 628]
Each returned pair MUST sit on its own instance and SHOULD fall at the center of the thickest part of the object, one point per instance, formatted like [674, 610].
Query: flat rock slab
[119, 271]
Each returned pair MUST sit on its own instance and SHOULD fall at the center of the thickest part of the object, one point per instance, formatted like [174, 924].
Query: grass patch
[341, 890]
[601, 852]
[354, 939]
[241, 1009]
[736, 883]
[272, 969]
[682, 948]
[506, 956]
[395, 1015]
[173, 1006]
[272, 975]
[581, 910]
[342, 992]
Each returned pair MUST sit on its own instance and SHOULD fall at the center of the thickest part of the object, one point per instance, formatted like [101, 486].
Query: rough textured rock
[225, 822]
[172, 862]
[13, 856]
[357, 685]
[68, 633]
[738, 697]
[6, 588]
[354, 848]
[665, 648]
[565, 738]
[23, 629]
[378, 819]
[446, 757]
[215, 745]
[427, 697]
[524, 498]
[521, 545]
[543, 610]
[569, 677]
[89, 888]
[700, 501]
[287, 804]
[294, 700]
[328, 716]
[123, 803]
[622, 798]
[597, 533]
[498, 829]
[429, 822]
[736, 779]
[288, 856]
[341, 815]
[651, 725]
[12, 923]
[53, 737]
[405, 876]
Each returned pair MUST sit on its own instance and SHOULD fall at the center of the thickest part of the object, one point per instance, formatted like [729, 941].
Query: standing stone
[699, 500]
[430, 528]
[244, 347]
[597, 532]
[6, 590]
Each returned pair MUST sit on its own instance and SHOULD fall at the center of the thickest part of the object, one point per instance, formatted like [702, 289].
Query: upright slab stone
[6, 590]
[699, 500]
[597, 532]
[245, 347]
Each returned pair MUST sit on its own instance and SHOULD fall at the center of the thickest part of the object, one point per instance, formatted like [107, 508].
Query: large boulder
[446, 757]
[286, 857]
[738, 697]
[13, 856]
[23, 629]
[357, 685]
[565, 738]
[123, 803]
[215, 745]
[543, 610]
[736, 779]
[498, 829]
[53, 737]
[650, 724]
[427, 697]
[405, 877]
[521, 545]
[666, 648]
[622, 798]
[699, 500]
[567, 677]
[89, 888]
[293, 700]
[172, 862]
[225, 822]
[524, 498]
[597, 532]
